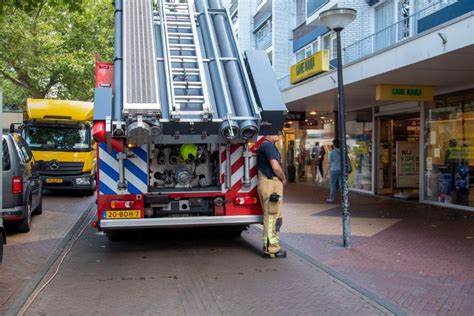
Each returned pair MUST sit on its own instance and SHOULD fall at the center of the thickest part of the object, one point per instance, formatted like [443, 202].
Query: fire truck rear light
[17, 185]
[121, 205]
[245, 200]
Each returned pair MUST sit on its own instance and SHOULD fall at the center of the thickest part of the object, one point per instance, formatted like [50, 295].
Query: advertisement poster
[408, 155]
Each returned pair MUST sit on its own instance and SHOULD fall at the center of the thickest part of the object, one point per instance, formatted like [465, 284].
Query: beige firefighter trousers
[272, 217]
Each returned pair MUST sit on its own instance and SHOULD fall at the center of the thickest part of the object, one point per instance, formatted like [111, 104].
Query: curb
[342, 278]
[36, 280]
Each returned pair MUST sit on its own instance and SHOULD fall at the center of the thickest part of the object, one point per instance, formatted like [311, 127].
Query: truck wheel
[114, 235]
[25, 225]
[39, 208]
[89, 192]
[234, 232]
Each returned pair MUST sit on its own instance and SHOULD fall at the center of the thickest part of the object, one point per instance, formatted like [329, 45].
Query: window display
[449, 149]
[359, 128]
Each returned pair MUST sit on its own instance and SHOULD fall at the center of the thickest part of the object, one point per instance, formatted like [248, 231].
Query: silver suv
[22, 187]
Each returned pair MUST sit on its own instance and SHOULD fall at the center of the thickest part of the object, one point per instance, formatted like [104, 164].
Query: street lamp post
[337, 20]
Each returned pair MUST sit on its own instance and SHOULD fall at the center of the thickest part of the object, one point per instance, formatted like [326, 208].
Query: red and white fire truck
[178, 117]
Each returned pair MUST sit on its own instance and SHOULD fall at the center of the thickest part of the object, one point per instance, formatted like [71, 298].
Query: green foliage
[47, 47]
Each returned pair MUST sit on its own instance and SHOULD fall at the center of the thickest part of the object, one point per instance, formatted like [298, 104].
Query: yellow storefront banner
[403, 93]
[311, 66]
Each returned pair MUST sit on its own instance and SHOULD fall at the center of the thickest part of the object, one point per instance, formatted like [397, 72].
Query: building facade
[409, 92]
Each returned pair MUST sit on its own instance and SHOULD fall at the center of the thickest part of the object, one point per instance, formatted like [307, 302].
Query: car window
[6, 156]
[25, 150]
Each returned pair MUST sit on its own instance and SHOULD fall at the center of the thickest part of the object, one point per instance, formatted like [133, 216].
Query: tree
[47, 47]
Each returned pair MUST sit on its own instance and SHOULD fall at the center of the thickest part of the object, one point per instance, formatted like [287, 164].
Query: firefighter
[271, 180]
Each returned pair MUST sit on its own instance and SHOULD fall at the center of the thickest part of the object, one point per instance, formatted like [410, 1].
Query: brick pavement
[419, 257]
[26, 254]
[181, 272]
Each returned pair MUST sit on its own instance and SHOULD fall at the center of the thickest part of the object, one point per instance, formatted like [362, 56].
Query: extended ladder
[188, 97]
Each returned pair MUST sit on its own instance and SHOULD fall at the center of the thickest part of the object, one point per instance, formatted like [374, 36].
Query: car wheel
[1, 247]
[39, 208]
[25, 225]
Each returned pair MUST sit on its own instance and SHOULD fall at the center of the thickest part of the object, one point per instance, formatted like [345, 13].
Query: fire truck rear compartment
[184, 168]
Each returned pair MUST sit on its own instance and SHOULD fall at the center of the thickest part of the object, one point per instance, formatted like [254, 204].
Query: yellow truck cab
[59, 134]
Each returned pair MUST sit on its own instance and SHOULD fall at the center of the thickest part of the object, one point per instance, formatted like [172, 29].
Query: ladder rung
[178, 23]
[188, 82]
[181, 34]
[179, 13]
[196, 70]
[184, 59]
[182, 45]
[183, 49]
[189, 97]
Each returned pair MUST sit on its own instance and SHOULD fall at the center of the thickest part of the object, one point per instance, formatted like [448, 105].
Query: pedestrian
[334, 171]
[322, 153]
[271, 180]
[315, 153]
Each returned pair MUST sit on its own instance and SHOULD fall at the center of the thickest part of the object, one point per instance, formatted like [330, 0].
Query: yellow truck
[59, 134]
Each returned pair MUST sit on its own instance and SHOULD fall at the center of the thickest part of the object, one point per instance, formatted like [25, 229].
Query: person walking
[315, 153]
[271, 180]
[334, 170]
[322, 153]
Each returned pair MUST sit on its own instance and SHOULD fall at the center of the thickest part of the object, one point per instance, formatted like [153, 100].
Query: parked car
[3, 239]
[22, 187]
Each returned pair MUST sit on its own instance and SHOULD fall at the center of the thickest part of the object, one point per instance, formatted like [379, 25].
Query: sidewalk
[419, 257]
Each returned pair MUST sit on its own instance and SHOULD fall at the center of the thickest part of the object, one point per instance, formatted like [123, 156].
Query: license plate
[54, 180]
[122, 214]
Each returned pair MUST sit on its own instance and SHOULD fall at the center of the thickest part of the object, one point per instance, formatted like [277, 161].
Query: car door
[8, 170]
[30, 171]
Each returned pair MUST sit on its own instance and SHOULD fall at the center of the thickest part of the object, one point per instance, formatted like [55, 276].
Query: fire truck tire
[235, 232]
[114, 235]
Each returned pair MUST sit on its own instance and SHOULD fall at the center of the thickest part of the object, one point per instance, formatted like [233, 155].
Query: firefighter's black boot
[280, 254]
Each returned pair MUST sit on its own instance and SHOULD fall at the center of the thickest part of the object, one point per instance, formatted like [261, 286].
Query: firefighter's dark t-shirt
[267, 152]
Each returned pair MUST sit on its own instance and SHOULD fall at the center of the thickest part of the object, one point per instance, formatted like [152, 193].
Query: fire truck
[177, 118]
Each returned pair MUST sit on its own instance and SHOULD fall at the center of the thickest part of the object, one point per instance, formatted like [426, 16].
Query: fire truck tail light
[17, 185]
[121, 205]
[245, 200]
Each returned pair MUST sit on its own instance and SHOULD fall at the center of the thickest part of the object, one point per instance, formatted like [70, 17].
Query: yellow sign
[311, 66]
[403, 93]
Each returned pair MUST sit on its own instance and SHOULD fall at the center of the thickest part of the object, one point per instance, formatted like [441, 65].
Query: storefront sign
[311, 66]
[296, 116]
[403, 93]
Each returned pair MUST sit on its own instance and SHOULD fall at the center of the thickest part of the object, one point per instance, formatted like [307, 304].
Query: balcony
[431, 16]
[264, 41]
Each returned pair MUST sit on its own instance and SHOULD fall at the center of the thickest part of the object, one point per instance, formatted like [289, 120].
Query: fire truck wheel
[234, 232]
[113, 235]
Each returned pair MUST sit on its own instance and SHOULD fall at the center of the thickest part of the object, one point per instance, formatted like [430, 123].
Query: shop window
[359, 129]
[449, 149]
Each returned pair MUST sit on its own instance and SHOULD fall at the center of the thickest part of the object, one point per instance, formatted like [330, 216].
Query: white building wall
[246, 10]
[283, 21]
[362, 26]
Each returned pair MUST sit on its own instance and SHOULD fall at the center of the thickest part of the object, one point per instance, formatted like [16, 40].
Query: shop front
[302, 134]
[420, 150]
[448, 172]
